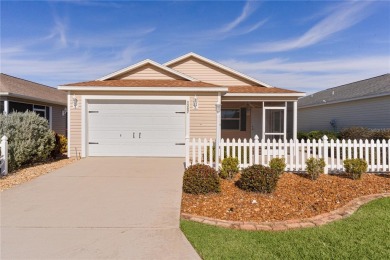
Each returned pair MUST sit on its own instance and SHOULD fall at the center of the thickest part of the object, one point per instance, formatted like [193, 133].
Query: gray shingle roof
[19, 87]
[377, 86]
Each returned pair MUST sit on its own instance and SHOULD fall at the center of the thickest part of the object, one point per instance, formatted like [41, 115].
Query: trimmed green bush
[229, 168]
[258, 178]
[315, 167]
[201, 179]
[278, 165]
[29, 137]
[61, 145]
[355, 168]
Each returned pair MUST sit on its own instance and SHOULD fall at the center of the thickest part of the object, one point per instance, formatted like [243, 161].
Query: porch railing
[295, 152]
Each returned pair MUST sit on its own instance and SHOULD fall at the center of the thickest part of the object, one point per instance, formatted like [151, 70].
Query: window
[43, 111]
[230, 119]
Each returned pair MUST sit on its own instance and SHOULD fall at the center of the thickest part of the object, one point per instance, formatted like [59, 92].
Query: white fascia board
[219, 65]
[142, 63]
[164, 89]
[264, 94]
[7, 94]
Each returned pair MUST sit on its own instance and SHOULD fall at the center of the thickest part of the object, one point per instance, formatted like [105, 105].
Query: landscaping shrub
[355, 133]
[278, 165]
[258, 178]
[315, 167]
[29, 137]
[355, 167]
[380, 134]
[201, 179]
[317, 134]
[61, 145]
[229, 168]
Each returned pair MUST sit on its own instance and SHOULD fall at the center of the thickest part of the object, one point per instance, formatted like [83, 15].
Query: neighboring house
[149, 109]
[363, 103]
[21, 95]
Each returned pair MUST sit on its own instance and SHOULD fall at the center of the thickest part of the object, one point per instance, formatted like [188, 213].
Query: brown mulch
[31, 172]
[295, 197]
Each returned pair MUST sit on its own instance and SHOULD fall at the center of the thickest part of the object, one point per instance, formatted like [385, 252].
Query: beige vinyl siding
[208, 73]
[148, 72]
[236, 134]
[203, 121]
[371, 113]
[75, 128]
[58, 120]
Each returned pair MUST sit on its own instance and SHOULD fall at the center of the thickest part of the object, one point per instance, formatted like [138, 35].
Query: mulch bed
[30, 172]
[295, 197]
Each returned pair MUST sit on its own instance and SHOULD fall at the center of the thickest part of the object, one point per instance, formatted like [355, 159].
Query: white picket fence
[4, 156]
[295, 152]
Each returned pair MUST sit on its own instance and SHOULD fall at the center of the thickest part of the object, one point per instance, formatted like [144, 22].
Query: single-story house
[363, 103]
[21, 95]
[150, 109]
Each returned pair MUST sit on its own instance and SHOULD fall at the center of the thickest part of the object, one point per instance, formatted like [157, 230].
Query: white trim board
[149, 89]
[218, 65]
[264, 94]
[143, 63]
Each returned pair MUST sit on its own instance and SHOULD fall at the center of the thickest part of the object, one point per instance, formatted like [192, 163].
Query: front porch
[268, 119]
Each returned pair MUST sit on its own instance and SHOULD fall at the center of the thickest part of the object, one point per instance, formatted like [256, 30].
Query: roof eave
[265, 94]
[8, 94]
[149, 89]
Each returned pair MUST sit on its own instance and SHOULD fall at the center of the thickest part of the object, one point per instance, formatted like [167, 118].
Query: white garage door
[136, 128]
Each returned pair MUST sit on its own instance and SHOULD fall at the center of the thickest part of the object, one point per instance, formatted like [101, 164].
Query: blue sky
[301, 45]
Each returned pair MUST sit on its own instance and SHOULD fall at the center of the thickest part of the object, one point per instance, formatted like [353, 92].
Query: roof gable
[147, 69]
[213, 72]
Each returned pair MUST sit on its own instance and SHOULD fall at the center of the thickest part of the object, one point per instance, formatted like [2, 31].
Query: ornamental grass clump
[355, 168]
[315, 167]
[30, 139]
[229, 168]
[201, 179]
[258, 178]
[278, 165]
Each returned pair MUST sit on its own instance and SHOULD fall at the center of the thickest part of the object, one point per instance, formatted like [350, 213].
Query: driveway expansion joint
[319, 220]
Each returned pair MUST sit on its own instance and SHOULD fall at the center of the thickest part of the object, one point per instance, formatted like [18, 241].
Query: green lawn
[364, 235]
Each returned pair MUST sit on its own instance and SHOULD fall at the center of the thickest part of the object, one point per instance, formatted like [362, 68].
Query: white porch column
[295, 120]
[6, 107]
[218, 137]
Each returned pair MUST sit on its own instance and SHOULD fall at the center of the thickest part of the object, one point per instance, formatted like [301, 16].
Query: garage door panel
[134, 128]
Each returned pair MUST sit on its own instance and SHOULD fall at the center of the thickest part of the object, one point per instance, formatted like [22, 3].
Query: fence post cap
[256, 137]
[325, 137]
[4, 138]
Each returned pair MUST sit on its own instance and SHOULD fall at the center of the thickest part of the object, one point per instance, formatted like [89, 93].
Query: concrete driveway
[117, 207]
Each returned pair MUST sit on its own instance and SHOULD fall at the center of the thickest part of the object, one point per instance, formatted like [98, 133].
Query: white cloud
[249, 8]
[312, 76]
[341, 18]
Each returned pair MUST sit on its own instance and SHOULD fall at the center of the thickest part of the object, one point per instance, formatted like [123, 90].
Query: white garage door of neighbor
[136, 128]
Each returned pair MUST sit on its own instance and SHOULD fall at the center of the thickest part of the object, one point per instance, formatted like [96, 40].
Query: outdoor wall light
[218, 108]
[64, 111]
[75, 101]
[195, 103]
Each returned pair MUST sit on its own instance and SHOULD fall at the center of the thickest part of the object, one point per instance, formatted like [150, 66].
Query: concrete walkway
[113, 208]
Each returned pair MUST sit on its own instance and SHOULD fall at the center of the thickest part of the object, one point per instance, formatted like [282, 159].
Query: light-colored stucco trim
[149, 89]
[85, 98]
[218, 65]
[68, 126]
[143, 63]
